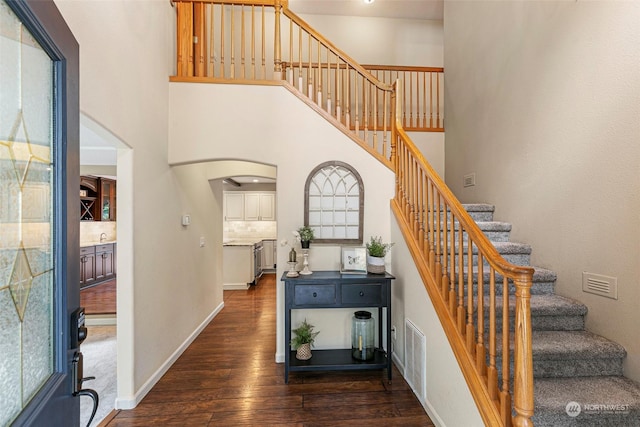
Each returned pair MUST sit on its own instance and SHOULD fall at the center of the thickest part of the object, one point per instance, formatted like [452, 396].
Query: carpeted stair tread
[548, 305]
[478, 207]
[604, 401]
[573, 345]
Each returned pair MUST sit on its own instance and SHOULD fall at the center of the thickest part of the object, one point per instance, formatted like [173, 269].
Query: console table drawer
[314, 294]
[362, 294]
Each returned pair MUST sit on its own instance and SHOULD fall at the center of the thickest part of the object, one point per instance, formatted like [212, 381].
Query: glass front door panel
[26, 219]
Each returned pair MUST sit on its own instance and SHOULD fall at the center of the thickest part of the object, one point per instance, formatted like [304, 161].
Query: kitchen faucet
[103, 237]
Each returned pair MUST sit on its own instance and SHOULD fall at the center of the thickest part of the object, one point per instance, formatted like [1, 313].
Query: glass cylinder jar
[362, 336]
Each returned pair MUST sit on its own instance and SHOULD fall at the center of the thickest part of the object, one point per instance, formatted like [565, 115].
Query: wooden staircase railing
[240, 42]
[444, 240]
[249, 41]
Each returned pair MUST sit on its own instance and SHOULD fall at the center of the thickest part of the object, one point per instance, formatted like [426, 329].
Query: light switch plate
[186, 220]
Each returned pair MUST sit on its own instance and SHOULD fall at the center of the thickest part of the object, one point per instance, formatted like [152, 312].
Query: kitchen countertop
[243, 241]
[88, 244]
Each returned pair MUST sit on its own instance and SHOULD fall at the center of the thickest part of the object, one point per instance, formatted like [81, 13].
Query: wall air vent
[600, 285]
[469, 180]
[415, 349]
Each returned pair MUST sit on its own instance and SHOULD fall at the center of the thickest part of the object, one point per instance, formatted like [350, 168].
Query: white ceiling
[405, 9]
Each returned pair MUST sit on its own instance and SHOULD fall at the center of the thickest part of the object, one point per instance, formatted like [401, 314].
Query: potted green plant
[376, 251]
[305, 234]
[303, 340]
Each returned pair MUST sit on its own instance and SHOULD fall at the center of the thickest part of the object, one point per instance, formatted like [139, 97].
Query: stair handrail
[424, 205]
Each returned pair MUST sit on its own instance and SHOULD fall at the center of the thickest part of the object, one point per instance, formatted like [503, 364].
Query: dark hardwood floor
[99, 299]
[228, 376]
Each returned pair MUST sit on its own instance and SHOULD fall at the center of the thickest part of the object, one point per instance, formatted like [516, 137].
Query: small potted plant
[376, 251]
[303, 340]
[305, 234]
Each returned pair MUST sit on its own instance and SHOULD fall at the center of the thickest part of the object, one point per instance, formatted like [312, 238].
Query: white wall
[448, 399]
[169, 285]
[543, 104]
[383, 41]
[210, 121]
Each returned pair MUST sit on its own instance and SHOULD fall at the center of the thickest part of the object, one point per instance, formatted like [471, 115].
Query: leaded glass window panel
[26, 223]
[334, 203]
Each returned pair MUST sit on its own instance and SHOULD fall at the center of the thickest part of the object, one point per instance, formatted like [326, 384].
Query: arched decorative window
[334, 203]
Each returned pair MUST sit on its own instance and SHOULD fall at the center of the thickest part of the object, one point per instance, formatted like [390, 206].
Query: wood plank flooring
[228, 377]
[99, 299]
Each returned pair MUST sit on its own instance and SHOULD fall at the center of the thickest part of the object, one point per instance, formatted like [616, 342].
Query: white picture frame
[353, 260]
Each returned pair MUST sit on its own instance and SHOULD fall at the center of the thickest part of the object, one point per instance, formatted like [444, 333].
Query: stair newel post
[277, 47]
[523, 359]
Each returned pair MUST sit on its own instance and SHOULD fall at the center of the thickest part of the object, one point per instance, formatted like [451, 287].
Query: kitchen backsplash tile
[90, 231]
[249, 229]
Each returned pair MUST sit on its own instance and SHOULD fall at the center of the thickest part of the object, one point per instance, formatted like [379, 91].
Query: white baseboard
[437, 421]
[130, 403]
[279, 358]
[235, 286]
[100, 320]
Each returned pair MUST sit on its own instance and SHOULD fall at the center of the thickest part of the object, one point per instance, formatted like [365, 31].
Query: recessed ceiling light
[369, 1]
[256, 180]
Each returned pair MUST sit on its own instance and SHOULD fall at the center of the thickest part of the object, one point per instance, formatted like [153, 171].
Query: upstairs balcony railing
[246, 41]
[263, 42]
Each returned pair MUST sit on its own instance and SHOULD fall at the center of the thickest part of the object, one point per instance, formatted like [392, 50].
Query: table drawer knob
[361, 293]
[315, 294]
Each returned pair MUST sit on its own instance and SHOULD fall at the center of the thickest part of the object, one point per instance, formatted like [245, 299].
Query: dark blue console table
[331, 289]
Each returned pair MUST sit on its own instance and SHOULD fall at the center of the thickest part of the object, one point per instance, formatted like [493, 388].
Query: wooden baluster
[505, 395]
[277, 44]
[264, 48]
[404, 110]
[253, 42]
[523, 360]
[309, 75]
[355, 101]
[329, 81]
[438, 241]
[453, 298]
[438, 123]
[291, 64]
[420, 189]
[432, 236]
[242, 43]
[492, 372]
[319, 79]
[374, 99]
[431, 100]
[445, 265]
[222, 40]
[184, 42]
[212, 54]
[338, 93]
[394, 137]
[385, 125]
[461, 311]
[365, 107]
[414, 197]
[480, 348]
[424, 99]
[348, 100]
[300, 80]
[470, 328]
[232, 42]
[411, 99]
[199, 40]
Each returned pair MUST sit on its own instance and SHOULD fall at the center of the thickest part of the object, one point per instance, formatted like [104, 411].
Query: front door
[39, 215]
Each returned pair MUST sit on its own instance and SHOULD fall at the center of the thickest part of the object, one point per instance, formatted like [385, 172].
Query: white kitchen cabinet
[255, 206]
[238, 267]
[268, 254]
[233, 206]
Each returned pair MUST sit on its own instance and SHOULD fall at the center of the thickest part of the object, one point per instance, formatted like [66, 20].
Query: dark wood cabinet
[331, 289]
[107, 198]
[97, 199]
[87, 266]
[97, 264]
